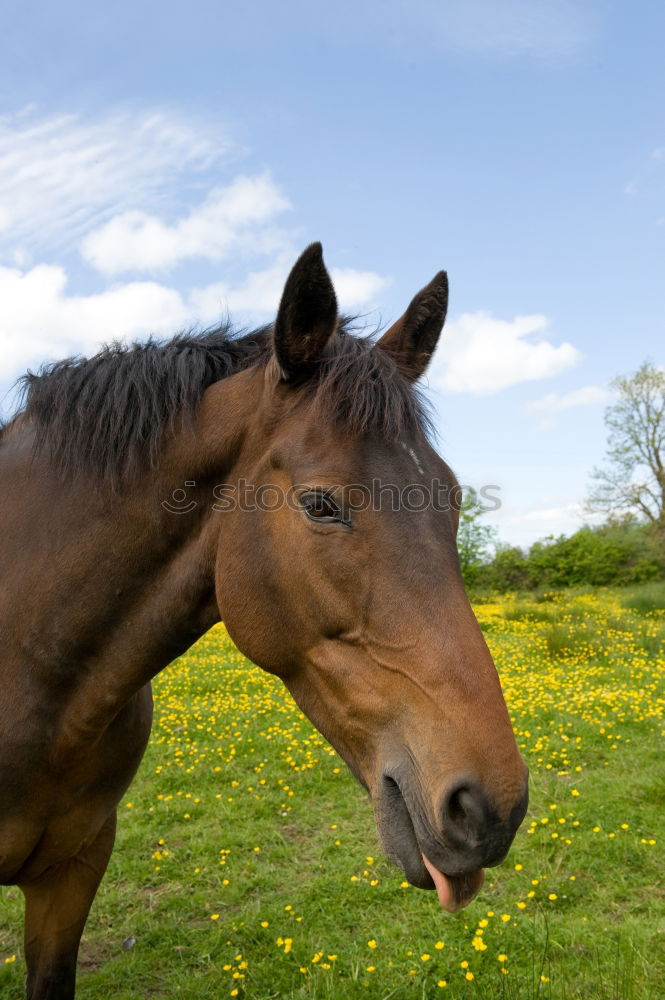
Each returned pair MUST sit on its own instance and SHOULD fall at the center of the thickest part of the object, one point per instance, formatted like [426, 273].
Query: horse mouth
[455, 891]
[455, 887]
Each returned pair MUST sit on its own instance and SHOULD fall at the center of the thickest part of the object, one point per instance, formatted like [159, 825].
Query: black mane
[108, 414]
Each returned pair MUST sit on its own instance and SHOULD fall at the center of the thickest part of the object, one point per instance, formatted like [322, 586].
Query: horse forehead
[310, 448]
[412, 452]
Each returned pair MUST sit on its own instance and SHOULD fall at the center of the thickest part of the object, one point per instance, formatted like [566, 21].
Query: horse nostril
[465, 815]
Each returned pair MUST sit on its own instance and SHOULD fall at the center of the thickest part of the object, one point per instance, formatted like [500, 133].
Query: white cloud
[62, 175]
[41, 320]
[588, 395]
[523, 524]
[110, 186]
[481, 354]
[570, 514]
[357, 288]
[258, 295]
[229, 220]
[256, 298]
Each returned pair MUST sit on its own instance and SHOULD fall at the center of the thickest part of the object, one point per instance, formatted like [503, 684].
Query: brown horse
[132, 521]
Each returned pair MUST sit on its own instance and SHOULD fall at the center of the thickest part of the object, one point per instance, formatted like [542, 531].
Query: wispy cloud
[481, 354]
[556, 27]
[553, 402]
[648, 181]
[62, 175]
[524, 524]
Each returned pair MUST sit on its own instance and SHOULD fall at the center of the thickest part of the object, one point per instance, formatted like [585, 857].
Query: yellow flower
[371, 944]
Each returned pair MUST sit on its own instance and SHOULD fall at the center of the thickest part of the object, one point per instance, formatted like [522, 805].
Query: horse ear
[412, 339]
[307, 315]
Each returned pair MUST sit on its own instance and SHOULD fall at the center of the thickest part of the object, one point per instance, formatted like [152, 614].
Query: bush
[509, 570]
[617, 553]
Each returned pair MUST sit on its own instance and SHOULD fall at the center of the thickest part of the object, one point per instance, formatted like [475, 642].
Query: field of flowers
[247, 863]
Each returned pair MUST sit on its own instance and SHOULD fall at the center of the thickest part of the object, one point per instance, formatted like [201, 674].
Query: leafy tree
[633, 480]
[509, 570]
[474, 540]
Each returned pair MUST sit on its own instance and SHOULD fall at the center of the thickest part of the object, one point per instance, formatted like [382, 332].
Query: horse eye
[320, 506]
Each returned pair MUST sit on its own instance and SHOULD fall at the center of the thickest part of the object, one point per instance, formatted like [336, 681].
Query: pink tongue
[454, 892]
[443, 887]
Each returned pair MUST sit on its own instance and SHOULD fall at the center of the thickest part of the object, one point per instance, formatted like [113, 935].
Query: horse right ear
[307, 315]
[412, 339]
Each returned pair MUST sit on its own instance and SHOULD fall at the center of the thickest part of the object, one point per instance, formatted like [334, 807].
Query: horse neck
[109, 587]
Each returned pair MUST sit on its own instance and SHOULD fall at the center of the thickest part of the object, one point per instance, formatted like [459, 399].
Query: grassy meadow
[247, 862]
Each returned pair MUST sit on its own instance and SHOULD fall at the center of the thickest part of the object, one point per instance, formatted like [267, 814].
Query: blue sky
[163, 162]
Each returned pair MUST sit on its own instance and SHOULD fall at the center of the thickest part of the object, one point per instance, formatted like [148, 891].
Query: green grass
[238, 788]
[648, 597]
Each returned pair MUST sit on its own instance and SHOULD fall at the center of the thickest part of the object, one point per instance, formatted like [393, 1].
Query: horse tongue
[444, 889]
[454, 892]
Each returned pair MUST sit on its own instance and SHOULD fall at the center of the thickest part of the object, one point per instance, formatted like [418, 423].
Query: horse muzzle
[446, 846]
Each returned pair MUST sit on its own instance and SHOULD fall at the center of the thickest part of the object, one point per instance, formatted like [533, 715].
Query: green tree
[509, 570]
[633, 479]
[474, 540]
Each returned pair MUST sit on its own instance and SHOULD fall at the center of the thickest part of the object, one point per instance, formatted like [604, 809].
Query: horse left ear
[307, 315]
[412, 339]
